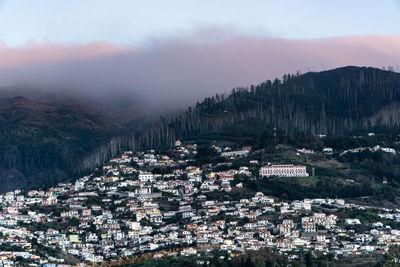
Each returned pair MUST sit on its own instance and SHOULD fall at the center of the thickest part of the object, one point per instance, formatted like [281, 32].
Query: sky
[133, 22]
[177, 52]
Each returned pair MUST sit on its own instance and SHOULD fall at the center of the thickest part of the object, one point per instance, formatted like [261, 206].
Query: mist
[171, 74]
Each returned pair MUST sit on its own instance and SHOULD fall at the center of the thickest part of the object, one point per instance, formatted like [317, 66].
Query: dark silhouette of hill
[40, 143]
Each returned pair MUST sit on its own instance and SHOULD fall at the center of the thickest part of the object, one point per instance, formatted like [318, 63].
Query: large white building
[284, 171]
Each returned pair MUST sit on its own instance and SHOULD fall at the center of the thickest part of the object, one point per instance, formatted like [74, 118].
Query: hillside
[40, 143]
[51, 140]
[334, 102]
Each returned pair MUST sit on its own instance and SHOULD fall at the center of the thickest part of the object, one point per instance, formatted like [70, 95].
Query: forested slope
[334, 102]
[41, 143]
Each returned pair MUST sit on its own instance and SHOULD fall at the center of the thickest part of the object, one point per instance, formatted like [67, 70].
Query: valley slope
[41, 143]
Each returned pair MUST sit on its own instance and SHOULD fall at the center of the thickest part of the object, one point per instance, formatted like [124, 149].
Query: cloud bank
[175, 73]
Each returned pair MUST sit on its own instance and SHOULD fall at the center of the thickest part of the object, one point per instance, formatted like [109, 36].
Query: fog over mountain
[173, 73]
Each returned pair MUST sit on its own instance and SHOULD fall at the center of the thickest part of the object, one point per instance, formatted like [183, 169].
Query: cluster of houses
[148, 202]
[371, 149]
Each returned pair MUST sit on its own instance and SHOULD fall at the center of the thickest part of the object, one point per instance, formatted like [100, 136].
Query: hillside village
[148, 202]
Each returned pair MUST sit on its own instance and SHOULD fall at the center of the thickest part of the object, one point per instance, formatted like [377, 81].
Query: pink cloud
[370, 50]
[178, 72]
[34, 52]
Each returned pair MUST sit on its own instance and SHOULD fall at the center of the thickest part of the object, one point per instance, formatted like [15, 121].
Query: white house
[146, 177]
